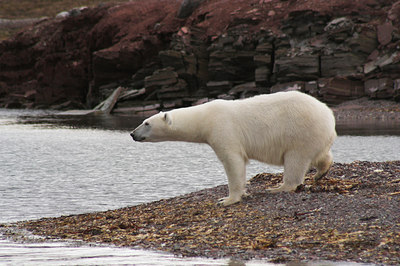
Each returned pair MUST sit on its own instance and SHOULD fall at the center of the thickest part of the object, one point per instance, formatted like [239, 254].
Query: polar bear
[290, 128]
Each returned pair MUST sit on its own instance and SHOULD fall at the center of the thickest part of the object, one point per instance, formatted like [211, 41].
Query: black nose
[136, 138]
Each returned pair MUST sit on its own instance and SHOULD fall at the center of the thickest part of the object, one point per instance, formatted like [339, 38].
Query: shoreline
[350, 215]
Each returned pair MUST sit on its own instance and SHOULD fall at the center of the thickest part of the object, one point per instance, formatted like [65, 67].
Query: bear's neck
[187, 125]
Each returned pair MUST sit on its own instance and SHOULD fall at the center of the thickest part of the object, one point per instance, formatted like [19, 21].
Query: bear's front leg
[235, 168]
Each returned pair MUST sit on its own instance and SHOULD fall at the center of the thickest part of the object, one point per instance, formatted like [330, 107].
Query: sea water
[52, 166]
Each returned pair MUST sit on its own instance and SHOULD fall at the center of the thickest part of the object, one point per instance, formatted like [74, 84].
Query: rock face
[169, 54]
[69, 58]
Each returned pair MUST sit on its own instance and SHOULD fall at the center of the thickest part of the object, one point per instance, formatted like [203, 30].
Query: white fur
[286, 128]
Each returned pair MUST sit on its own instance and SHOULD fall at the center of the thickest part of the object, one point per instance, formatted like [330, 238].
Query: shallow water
[52, 166]
[73, 253]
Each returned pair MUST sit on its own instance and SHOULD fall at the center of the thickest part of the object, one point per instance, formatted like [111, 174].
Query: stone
[191, 64]
[217, 87]
[302, 67]
[282, 46]
[394, 12]
[379, 88]
[364, 41]
[264, 48]
[289, 86]
[341, 64]
[304, 23]
[337, 89]
[172, 104]
[219, 68]
[339, 29]
[262, 76]
[384, 32]
[382, 62]
[171, 58]
[187, 7]
[174, 91]
[244, 90]
[312, 88]
[225, 96]
[262, 60]
[200, 101]
[161, 77]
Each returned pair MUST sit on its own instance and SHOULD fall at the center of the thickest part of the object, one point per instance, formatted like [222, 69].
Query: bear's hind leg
[235, 168]
[295, 168]
[323, 164]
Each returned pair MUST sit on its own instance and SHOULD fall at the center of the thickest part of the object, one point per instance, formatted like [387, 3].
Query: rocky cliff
[168, 54]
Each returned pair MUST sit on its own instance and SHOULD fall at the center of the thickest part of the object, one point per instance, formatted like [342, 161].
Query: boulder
[302, 67]
[382, 62]
[311, 87]
[289, 86]
[246, 90]
[187, 7]
[229, 64]
[379, 88]
[337, 90]
[339, 29]
[384, 32]
[218, 87]
[262, 76]
[162, 77]
[341, 64]
[172, 58]
[176, 90]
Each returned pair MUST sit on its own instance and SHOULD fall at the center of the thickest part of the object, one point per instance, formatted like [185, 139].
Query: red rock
[379, 88]
[100, 45]
[68, 59]
[394, 12]
[337, 90]
[384, 32]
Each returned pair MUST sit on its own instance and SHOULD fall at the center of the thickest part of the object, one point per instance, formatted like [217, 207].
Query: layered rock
[166, 58]
[69, 58]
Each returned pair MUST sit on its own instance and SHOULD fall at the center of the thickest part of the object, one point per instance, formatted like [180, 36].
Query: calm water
[52, 166]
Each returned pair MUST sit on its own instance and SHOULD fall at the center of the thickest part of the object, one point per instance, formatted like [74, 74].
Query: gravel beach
[352, 214]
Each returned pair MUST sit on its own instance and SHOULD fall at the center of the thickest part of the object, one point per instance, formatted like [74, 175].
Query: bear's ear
[167, 118]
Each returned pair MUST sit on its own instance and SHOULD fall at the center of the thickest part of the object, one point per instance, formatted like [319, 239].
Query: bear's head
[153, 129]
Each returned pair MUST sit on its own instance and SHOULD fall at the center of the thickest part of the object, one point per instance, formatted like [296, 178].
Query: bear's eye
[146, 124]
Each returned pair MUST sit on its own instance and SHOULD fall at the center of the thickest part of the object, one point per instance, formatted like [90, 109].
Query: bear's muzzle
[137, 138]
